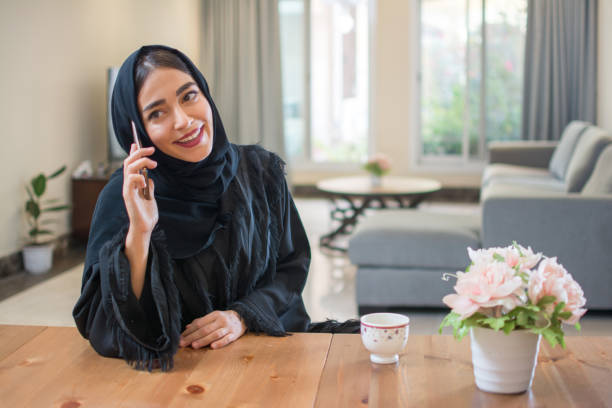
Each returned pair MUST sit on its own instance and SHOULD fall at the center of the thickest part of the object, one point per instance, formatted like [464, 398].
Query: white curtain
[241, 60]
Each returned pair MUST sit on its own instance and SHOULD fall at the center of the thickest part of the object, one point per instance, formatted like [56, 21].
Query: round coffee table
[360, 194]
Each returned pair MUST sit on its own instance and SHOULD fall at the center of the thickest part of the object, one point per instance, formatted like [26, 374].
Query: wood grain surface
[436, 371]
[58, 368]
[55, 367]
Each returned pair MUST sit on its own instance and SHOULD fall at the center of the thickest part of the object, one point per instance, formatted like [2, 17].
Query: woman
[216, 250]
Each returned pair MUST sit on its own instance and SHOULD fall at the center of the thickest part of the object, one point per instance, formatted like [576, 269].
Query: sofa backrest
[560, 159]
[600, 181]
[589, 147]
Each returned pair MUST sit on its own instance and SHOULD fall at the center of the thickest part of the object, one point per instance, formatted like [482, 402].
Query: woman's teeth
[190, 138]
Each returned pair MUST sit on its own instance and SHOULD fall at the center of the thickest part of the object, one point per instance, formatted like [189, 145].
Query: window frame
[305, 162]
[461, 163]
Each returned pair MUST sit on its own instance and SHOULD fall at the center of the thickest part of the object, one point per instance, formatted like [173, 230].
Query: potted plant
[378, 165]
[507, 299]
[38, 254]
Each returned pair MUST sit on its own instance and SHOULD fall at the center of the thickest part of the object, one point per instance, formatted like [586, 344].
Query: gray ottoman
[402, 254]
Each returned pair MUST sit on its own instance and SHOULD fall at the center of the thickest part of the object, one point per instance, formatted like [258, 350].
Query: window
[325, 69]
[471, 75]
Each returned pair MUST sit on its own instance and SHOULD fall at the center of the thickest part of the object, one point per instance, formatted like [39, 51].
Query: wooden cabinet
[85, 193]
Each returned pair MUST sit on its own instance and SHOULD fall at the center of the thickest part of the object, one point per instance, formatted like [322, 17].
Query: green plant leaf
[39, 184]
[516, 246]
[32, 208]
[57, 172]
[565, 315]
[499, 258]
[495, 323]
[509, 326]
[546, 300]
[578, 326]
[58, 208]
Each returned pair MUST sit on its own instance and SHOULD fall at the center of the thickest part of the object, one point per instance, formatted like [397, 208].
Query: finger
[224, 341]
[133, 182]
[199, 333]
[137, 154]
[141, 163]
[214, 336]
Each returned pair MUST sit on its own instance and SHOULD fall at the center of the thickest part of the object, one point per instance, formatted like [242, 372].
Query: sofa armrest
[574, 228]
[522, 153]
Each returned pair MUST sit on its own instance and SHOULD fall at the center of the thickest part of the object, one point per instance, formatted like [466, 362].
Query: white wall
[53, 82]
[604, 65]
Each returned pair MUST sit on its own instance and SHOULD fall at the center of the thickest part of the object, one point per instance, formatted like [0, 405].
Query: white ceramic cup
[385, 336]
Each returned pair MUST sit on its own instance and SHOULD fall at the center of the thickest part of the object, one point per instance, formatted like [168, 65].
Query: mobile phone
[144, 172]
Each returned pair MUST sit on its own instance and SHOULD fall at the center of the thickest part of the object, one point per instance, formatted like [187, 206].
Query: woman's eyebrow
[153, 104]
[183, 87]
[160, 101]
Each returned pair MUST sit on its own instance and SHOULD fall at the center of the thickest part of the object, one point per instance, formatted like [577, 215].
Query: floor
[329, 291]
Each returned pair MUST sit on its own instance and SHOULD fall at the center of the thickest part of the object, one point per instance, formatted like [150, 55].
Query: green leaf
[565, 315]
[39, 184]
[546, 300]
[495, 323]
[578, 326]
[499, 258]
[516, 246]
[522, 318]
[509, 326]
[550, 337]
[57, 172]
[58, 208]
[32, 208]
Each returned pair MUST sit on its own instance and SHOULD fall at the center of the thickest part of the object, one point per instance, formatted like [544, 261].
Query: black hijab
[187, 193]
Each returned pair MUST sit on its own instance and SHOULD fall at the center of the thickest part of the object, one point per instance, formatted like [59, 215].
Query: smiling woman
[216, 250]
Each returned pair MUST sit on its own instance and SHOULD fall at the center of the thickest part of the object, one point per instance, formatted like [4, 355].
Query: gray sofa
[554, 197]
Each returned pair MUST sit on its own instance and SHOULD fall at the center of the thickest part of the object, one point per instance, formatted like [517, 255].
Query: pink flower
[486, 285]
[382, 161]
[551, 279]
[512, 255]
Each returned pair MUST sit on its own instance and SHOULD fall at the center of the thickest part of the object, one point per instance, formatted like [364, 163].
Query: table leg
[346, 221]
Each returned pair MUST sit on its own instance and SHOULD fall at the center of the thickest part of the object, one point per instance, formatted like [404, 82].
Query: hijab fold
[188, 194]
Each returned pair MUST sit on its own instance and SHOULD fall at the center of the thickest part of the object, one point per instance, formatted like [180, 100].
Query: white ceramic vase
[37, 259]
[504, 364]
[375, 180]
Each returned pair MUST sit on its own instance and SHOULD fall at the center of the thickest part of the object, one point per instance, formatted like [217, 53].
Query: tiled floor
[329, 291]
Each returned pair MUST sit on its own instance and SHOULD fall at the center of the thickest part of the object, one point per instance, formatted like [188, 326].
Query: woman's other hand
[143, 213]
[217, 329]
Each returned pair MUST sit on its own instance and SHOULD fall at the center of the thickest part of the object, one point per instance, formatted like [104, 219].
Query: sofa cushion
[563, 153]
[600, 181]
[500, 171]
[414, 238]
[588, 149]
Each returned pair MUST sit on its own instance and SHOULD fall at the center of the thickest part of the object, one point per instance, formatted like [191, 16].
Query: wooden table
[351, 196]
[55, 367]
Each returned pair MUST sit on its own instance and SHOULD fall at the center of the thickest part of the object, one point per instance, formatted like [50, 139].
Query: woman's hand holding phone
[142, 213]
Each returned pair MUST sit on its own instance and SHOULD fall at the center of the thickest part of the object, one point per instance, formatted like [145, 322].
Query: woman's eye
[190, 96]
[154, 115]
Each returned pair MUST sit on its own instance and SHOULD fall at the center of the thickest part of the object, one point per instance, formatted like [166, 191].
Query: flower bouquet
[513, 290]
[378, 165]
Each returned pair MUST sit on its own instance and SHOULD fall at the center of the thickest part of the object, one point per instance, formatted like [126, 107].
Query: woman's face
[176, 115]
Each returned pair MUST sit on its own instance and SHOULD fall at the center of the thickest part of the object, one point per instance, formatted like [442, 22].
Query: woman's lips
[191, 141]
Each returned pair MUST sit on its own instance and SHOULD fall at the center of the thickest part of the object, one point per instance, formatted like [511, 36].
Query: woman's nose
[181, 119]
